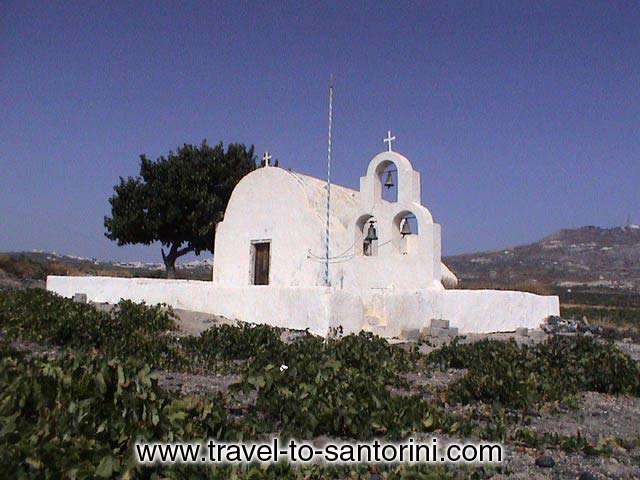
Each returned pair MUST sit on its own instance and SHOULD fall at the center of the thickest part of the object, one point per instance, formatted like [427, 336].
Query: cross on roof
[266, 158]
[389, 139]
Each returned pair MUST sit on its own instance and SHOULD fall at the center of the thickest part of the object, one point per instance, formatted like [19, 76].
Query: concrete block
[439, 323]
[537, 334]
[80, 298]
[453, 331]
[522, 332]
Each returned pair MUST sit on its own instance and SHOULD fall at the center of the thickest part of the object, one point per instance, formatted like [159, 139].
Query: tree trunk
[169, 260]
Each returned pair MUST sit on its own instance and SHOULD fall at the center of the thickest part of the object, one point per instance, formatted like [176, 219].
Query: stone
[522, 332]
[453, 331]
[553, 320]
[587, 476]
[537, 334]
[80, 298]
[545, 461]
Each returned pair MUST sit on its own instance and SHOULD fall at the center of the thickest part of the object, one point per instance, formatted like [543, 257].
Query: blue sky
[523, 118]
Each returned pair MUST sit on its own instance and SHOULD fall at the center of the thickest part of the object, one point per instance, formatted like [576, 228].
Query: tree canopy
[178, 199]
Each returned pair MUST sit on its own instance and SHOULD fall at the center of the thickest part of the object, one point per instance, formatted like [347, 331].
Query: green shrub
[130, 330]
[77, 416]
[590, 365]
[42, 316]
[520, 376]
[336, 387]
[232, 342]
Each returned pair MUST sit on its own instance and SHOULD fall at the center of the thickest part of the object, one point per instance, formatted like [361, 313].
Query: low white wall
[293, 307]
[320, 308]
[471, 311]
[496, 310]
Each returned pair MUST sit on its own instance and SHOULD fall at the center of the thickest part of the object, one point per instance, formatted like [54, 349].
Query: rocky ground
[599, 418]
[602, 420]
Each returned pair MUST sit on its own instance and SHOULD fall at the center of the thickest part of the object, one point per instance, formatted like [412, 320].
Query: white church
[383, 272]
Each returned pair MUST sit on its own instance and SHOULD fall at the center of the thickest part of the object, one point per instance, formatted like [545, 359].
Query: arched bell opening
[405, 232]
[387, 184]
[366, 241]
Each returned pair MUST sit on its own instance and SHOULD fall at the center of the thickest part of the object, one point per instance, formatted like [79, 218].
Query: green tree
[178, 199]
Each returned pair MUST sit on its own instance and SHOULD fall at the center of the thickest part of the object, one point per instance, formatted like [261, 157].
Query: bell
[389, 181]
[406, 228]
[371, 233]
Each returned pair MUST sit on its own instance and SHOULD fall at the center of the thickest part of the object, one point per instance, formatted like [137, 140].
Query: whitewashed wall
[320, 308]
[471, 311]
[288, 210]
[496, 310]
[297, 308]
[275, 205]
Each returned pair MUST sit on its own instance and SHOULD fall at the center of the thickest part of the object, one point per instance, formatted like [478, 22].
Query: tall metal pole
[327, 282]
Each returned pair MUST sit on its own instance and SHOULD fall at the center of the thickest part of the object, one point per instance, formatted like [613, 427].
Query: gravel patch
[520, 463]
[238, 402]
[188, 384]
[631, 349]
[429, 385]
[598, 416]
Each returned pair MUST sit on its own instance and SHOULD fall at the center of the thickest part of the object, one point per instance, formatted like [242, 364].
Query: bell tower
[396, 243]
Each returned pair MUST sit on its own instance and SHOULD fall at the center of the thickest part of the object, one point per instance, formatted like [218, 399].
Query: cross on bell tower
[389, 139]
[266, 159]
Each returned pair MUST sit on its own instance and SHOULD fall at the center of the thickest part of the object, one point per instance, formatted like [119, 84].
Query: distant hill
[30, 269]
[590, 256]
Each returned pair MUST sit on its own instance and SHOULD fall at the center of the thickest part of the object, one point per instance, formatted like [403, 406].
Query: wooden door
[261, 263]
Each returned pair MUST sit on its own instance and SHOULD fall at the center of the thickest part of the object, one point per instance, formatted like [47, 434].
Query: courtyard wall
[389, 311]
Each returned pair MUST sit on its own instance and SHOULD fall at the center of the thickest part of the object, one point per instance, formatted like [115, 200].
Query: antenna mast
[326, 239]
